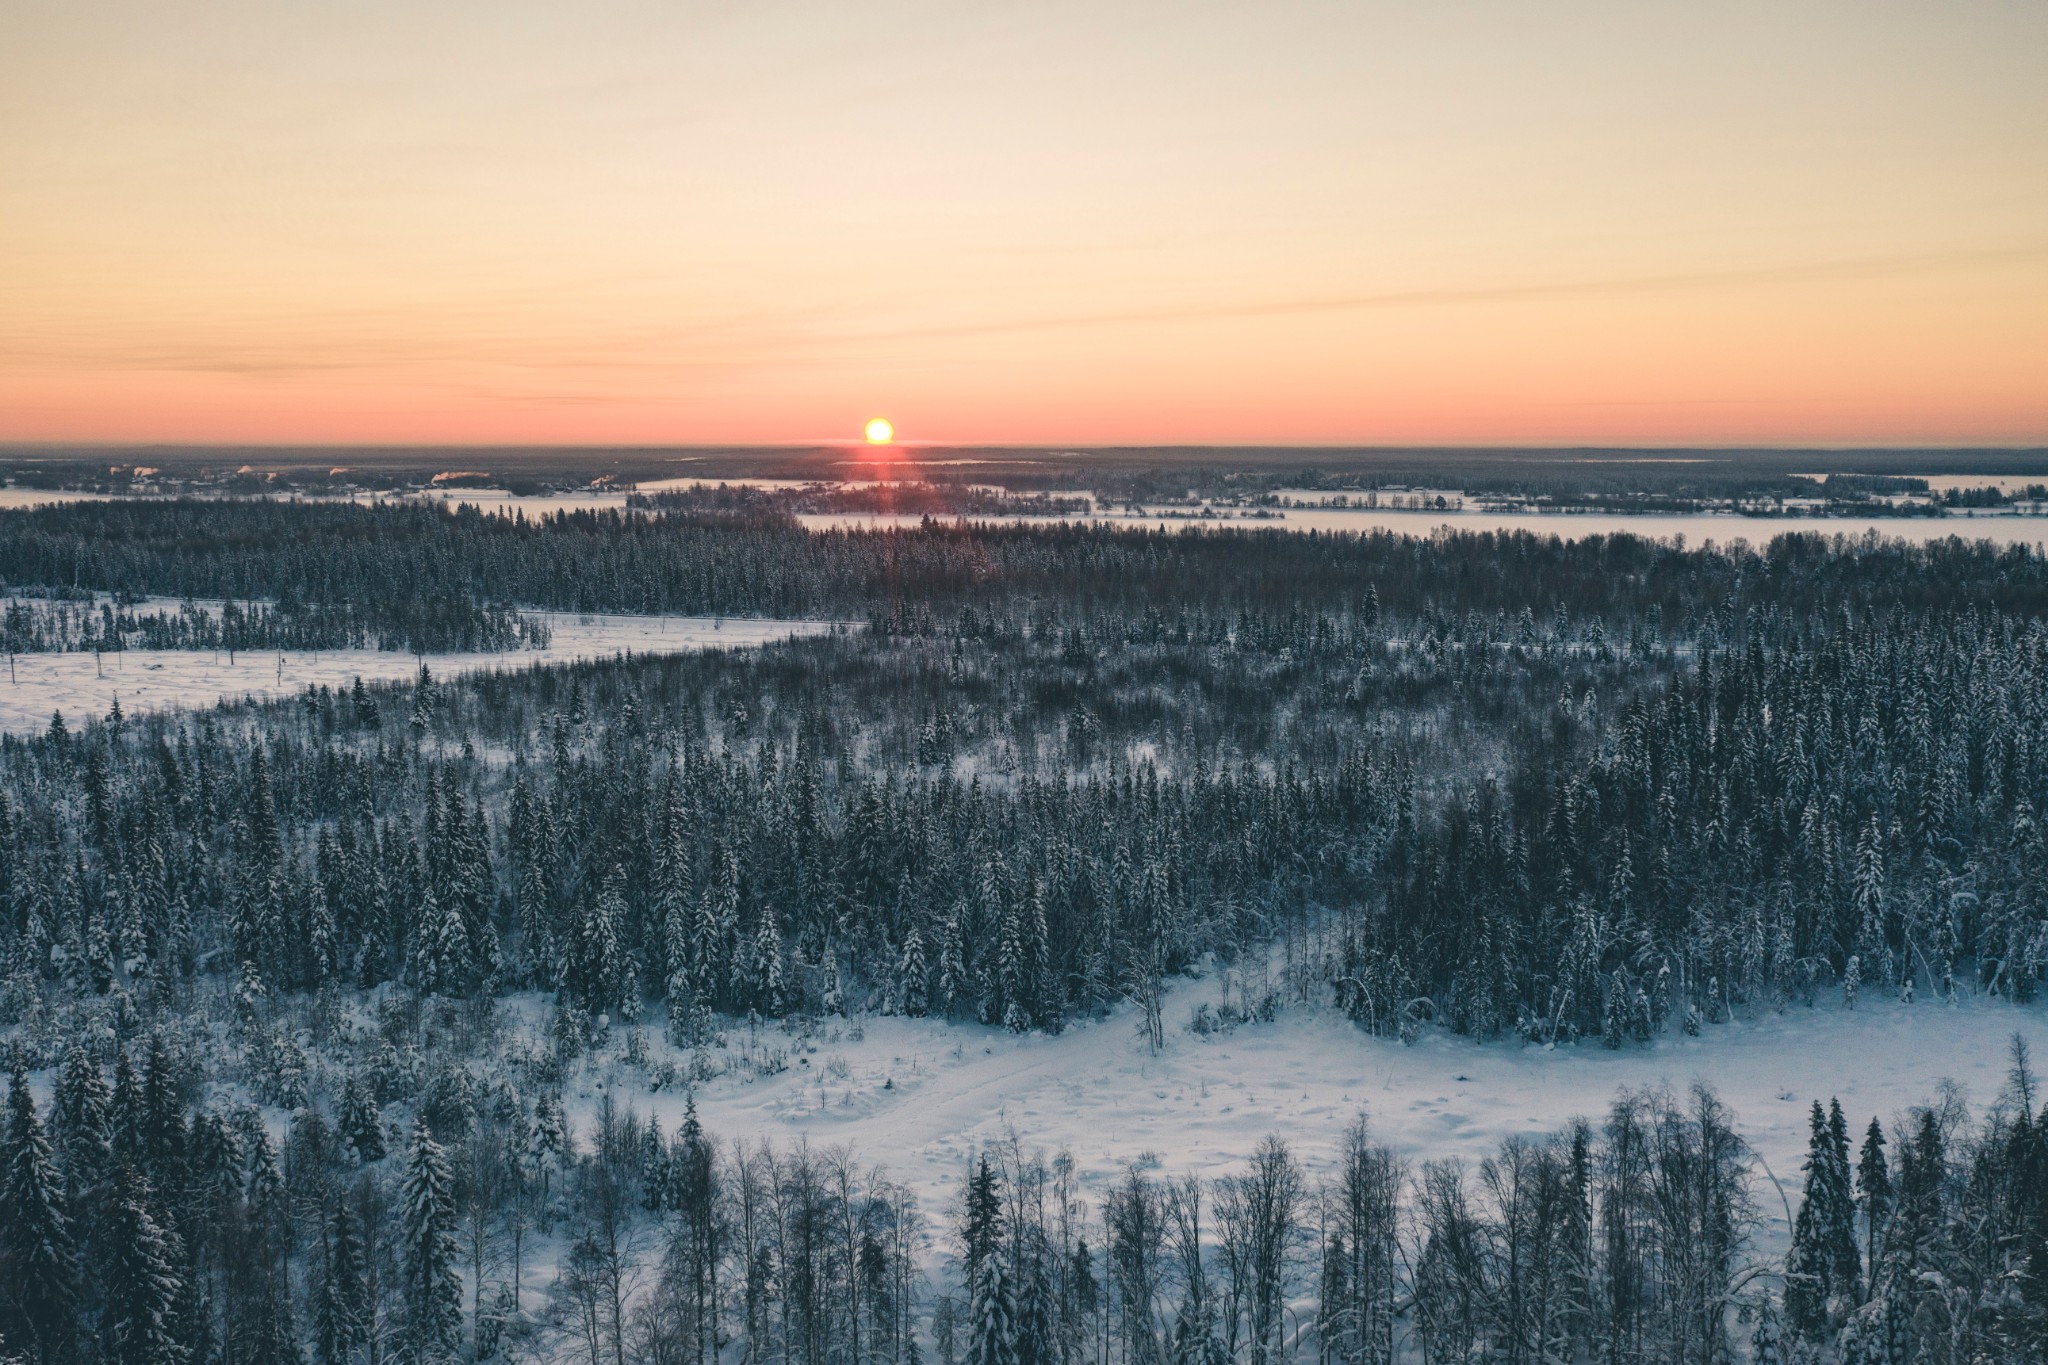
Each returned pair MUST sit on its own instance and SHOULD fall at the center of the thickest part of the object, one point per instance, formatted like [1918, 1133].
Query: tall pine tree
[428, 1251]
[140, 1280]
[38, 1260]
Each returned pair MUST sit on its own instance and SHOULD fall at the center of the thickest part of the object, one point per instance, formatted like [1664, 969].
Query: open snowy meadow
[922, 1097]
[82, 685]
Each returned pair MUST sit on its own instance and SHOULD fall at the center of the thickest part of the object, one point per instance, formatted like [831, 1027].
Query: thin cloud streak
[1869, 268]
[764, 339]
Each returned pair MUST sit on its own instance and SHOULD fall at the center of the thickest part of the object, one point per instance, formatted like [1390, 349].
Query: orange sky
[1024, 221]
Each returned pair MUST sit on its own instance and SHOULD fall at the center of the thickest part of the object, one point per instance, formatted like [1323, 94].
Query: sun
[880, 432]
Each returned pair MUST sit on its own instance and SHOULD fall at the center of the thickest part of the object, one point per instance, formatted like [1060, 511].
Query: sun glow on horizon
[880, 432]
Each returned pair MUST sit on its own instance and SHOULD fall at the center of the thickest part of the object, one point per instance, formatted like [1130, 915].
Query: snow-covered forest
[336, 1023]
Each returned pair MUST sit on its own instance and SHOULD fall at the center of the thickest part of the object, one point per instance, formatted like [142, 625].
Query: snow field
[920, 1097]
[82, 685]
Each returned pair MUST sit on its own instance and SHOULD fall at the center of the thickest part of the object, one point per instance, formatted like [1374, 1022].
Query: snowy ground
[158, 679]
[920, 1097]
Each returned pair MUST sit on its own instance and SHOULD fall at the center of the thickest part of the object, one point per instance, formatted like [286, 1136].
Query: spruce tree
[269, 1208]
[1037, 1337]
[80, 1119]
[428, 1251]
[139, 1278]
[983, 1213]
[914, 976]
[1766, 1342]
[362, 1124]
[162, 1128]
[1874, 1186]
[125, 1107]
[654, 1172]
[1845, 1260]
[341, 1294]
[596, 960]
[993, 1338]
[768, 961]
[441, 954]
[38, 1260]
[1807, 1271]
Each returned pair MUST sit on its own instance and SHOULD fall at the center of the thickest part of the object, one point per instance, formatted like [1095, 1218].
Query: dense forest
[1502, 785]
[1586, 822]
[394, 561]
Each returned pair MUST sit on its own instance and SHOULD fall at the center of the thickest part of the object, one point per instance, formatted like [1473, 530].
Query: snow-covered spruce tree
[1917, 1244]
[1844, 1257]
[594, 974]
[832, 995]
[440, 960]
[913, 976]
[38, 1259]
[696, 1243]
[274, 1340]
[716, 925]
[139, 1279]
[674, 878]
[549, 1146]
[953, 979]
[360, 1121]
[653, 1164]
[1874, 1195]
[1037, 1336]
[992, 1338]
[475, 889]
[768, 964]
[342, 1307]
[80, 1120]
[322, 946]
[1822, 1279]
[432, 1288]
[1766, 1339]
[1013, 984]
[981, 1217]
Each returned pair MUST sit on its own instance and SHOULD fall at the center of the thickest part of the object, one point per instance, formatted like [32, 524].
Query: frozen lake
[82, 685]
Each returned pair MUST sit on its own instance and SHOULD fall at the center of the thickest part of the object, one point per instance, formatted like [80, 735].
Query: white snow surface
[920, 1097]
[82, 685]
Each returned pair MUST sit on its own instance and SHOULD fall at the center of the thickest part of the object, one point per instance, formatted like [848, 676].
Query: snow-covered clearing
[920, 1097]
[83, 685]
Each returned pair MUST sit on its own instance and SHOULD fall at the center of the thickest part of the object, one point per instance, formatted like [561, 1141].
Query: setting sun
[880, 433]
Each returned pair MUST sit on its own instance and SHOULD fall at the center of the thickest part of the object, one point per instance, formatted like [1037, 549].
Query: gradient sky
[1024, 221]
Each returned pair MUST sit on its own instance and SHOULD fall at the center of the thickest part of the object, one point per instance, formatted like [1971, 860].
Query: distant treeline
[55, 626]
[1115, 471]
[419, 564]
[935, 497]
